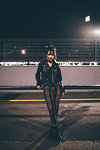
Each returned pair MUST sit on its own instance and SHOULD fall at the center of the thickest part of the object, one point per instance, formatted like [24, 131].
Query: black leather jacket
[47, 75]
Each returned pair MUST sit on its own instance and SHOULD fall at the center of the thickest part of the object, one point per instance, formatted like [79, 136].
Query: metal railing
[32, 50]
[67, 87]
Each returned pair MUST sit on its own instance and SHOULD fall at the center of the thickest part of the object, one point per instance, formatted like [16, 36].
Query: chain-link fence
[32, 50]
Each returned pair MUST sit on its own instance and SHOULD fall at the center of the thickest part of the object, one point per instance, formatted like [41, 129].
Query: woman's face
[50, 55]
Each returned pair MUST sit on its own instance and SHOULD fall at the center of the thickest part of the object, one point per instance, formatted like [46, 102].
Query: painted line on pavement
[39, 100]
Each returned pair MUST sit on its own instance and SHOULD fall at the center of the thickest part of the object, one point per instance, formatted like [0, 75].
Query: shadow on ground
[76, 125]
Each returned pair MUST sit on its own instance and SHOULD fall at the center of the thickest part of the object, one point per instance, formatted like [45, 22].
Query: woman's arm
[59, 74]
[60, 80]
[37, 75]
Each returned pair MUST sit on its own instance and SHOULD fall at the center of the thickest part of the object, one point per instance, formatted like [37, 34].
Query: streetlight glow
[87, 18]
[97, 31]
[23, 51]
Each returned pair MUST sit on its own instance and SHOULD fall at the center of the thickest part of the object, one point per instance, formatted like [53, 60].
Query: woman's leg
[50, 105]
[52, 96]
[57, 99]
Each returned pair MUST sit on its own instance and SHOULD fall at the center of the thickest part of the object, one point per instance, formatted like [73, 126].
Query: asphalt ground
[24, 121]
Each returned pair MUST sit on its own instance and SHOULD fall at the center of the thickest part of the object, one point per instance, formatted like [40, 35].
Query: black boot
[51, 132]
[57, 134]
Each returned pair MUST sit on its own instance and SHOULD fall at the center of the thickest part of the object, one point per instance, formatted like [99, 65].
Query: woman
[49, 77]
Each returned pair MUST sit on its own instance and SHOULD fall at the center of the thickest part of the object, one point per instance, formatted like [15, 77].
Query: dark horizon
[42, 19]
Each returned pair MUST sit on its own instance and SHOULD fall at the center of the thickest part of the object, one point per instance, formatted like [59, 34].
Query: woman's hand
[38, 87]
[63, 93]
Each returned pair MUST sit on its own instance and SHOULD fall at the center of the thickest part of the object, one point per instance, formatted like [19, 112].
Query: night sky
[45, 19]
